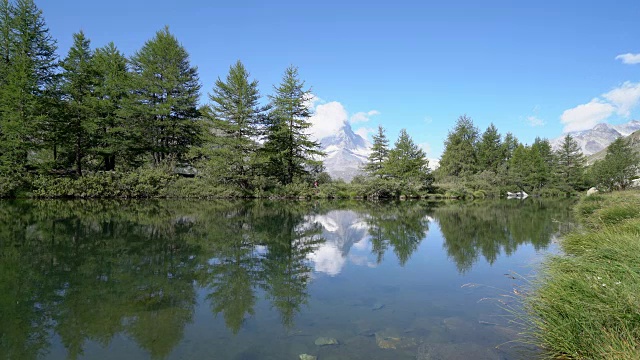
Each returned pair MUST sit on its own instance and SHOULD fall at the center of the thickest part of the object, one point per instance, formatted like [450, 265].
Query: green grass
[585, 304]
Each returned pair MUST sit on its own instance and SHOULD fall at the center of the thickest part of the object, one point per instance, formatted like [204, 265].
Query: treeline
[488, 163]
[64, 123]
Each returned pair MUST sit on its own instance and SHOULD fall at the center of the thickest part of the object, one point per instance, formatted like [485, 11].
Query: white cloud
[327, 119]
[586, 116]
[535, 121]
[624, 98]
[365, 132]
[363, 116]
[312, 101]
[629, 58]
[621, 100]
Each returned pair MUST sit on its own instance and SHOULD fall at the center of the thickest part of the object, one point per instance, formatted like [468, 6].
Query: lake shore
[584, 304]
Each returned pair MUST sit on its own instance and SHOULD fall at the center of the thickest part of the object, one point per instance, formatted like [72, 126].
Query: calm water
[265, 280]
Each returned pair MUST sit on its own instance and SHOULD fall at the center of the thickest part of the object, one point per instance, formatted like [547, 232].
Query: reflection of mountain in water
[341, 229]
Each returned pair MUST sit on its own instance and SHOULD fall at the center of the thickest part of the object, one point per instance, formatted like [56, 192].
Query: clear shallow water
[264, 280]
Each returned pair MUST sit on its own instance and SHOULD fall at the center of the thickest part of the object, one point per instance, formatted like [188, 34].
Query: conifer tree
[379, 154]
[164, 100]
[570, 164]
[406, 160]
[113, 138]
[618, 167]
[490, 155]
[290, 151]
[79, 79]
[237, 119]
[28, 74]
[459, 157]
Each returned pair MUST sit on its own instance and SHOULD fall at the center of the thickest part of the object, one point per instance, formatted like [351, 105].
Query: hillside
[633, 138]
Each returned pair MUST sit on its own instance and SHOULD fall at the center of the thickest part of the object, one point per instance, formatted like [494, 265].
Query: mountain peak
[346, 153]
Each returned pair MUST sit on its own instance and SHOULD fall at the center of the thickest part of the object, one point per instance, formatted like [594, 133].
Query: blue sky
[534, 68]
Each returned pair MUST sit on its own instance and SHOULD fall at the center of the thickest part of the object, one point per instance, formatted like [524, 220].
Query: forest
[95, 123]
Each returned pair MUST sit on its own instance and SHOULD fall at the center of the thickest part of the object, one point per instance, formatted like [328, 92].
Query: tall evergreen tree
[289, 148]
[544, 162]
[509, 145]
[28, 74]
[490, 155]
[79, 79]
[619, 166]
[113, 138]
[379, 154]
[406, 160]
[459, 157]
[164, 100]
[570, 164]
[237, 118]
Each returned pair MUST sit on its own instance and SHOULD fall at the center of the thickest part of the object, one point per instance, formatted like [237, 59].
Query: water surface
[265, 280]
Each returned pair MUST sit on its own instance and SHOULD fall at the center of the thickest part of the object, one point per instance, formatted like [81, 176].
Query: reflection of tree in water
[90, 270]
[401, 225]
[492, 228]
[99, 275]
[286, 273]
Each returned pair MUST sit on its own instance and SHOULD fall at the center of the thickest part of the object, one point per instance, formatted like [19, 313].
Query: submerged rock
[323, 341]
[391, 339]
[377, 306]
[308, 357]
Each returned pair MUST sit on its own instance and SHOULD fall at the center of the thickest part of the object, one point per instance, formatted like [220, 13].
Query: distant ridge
[599, 137]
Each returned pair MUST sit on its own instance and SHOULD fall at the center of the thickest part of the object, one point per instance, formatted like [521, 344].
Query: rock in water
[322, 341]
[308, 357]
[377, 306]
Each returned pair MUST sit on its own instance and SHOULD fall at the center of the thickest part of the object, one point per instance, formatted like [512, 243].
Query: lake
[268, 280]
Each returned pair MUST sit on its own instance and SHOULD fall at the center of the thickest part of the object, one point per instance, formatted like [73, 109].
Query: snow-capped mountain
[346, 153]
[594, 140]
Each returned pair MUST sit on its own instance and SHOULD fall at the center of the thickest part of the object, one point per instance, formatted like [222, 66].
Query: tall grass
[585, 303]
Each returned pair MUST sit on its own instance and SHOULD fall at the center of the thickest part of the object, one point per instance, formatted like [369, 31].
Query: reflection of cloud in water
[346, 236]
[328, 259]
[362, 260]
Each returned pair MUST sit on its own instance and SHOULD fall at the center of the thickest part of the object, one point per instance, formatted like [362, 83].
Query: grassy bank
[586, 302]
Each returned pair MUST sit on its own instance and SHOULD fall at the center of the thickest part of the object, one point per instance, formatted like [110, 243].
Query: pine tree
[113, 139]
[79, 79]
[164, 100]
[618, 167]
[490, 155]
[290, 151]
[459, 157]
[237, 119]
[543, 167]
[570, 164]
[379, 154]
[406, 160]
[28, 70]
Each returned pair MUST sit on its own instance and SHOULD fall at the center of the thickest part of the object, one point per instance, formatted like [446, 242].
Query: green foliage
[27, 78]
[289, 150]
[460, 157]
[617, 169]
[79, 80]
[490, 149]
[163, 106]
[237, 124]
[142, 183]
[570, 164]
[379, 154]
[114, 143]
